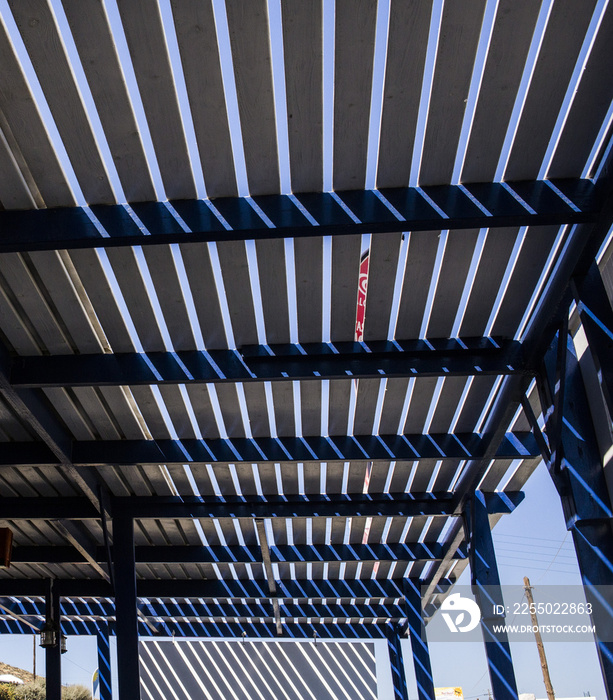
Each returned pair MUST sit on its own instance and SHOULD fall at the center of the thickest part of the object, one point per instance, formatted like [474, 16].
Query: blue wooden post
[104, 661]
[53, 655]
[417, 635]
[126, 625]
[577, 472]
[486, 587]
[596, 315]
[395, 651]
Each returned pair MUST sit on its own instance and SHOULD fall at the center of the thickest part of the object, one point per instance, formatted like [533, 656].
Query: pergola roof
[188, 191]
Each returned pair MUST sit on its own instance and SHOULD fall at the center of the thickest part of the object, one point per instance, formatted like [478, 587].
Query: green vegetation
[36, 691]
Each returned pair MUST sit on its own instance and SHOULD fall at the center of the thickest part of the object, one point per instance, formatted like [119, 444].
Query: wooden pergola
[294, 297]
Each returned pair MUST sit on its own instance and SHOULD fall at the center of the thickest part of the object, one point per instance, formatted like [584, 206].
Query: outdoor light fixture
[63, 647]
[48, 636]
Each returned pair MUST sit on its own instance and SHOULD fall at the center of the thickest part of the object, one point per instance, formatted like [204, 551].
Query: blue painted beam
[437, 358]
[173, 554]
[419, 643]
[126, 611]
[596, 315]
[104, 661]
[229, 630]
[77, 610]
[383, 591]
[486, 586]
[335, 448]
[348, 505]
[53, 655]
[394, 648]
[580, 481]
[480, 205]
[88, 453]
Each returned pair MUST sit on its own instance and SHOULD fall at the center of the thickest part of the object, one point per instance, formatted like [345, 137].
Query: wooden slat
[248, 26]
[27, 128]
[454, 270]
[457, 49]
[235, 270]
[590, 106]
[310, 395]
[382, 266]
[15, 193]
[566, 28]
[338, 412]
[95, 44]
[256, 407]
[115, 399]
[523, 473]
[345, 275]
[400, 478]
[136, 481]
[62, 293]
[201, 403]
[151, 413]
[268, 478]
[114, 480]
[289, 478]
[273, 288]
[199, 272]
[490, 273]
[366, 403]
[447, 405]
[89, 268]
[170, 295]
[308, 255]
[39, 309]
[528, 269]
[154, 476]
[420, 264]
[283, 399]
[406, 56]
[75, 420]
[38, 30]
[443, 482]
[197, 38]
[302, 47]
[247, 487]
[357, 476]
[420, 404]
[475, 401]
[395, 394]
[513, 30]
[145, 35]
[97, 413]
[353, 67]
[16, 330]
[230, 409]
[173, 400]
[125, 267]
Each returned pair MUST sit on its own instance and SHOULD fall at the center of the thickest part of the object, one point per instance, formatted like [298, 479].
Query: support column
[486, 587]
[53, 655]
[395, 651]
[577, 472]
[104, 661]
[125, 608]
[596, 316]
[417, 635]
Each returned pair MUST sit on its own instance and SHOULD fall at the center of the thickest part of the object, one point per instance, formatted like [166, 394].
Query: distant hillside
[25, 676]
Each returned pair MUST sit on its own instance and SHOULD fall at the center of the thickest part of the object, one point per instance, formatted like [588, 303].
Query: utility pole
[539, 640]
[34, 656]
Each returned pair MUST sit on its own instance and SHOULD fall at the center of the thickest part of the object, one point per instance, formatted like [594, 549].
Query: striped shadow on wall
[266, 670]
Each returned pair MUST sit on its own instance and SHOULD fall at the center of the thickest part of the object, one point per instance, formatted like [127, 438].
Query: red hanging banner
[362, 289]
